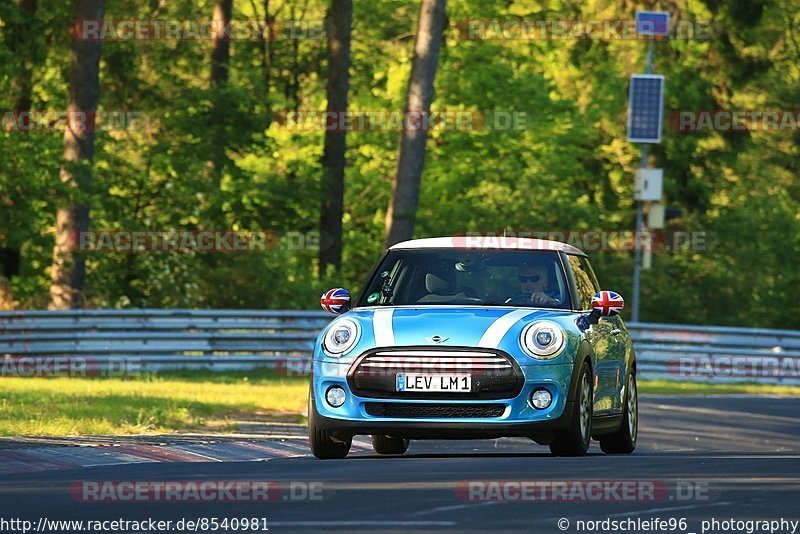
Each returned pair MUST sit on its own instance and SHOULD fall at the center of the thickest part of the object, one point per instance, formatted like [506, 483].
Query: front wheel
[389, 445]
[323, 445]
[624, 440]
[575, 441]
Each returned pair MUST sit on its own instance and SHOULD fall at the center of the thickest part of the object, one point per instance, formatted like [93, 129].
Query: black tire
[323, 445]
[389, 445]
[624, 440]
[575, 441]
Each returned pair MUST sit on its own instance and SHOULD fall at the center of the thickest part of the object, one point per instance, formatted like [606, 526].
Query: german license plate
[440, 383]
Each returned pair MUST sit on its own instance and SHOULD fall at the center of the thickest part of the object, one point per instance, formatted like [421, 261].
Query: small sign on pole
[654, 23]
[647, 253]
[655, 217]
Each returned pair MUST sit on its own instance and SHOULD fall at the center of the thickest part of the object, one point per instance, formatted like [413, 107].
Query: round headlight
[542, 339]
[341, 336]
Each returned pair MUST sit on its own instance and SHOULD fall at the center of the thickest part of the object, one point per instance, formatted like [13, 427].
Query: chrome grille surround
[495, 374]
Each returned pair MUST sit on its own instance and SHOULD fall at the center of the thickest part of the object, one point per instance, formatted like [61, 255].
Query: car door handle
[616, 332]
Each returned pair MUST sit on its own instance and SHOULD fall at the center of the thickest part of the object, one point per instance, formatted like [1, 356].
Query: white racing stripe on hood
[382, 327]
[497, 330]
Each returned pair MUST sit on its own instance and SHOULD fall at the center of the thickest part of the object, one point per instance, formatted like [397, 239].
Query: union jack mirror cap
[608, 303]
[335, 301]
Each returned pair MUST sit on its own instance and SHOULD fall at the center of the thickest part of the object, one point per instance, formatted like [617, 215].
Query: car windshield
[452, 276]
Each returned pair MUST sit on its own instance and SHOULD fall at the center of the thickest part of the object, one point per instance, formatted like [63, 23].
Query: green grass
[198, 400]
[147, 404]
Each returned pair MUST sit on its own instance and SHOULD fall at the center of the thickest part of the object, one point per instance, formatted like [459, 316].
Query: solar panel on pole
[646, 108]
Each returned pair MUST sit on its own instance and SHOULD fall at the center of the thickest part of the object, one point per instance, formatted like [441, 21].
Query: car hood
[469, 326]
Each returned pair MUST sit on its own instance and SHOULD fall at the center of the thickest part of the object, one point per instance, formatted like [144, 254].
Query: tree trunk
[411, 152]
[68, 273]
[221, 54]
[293, 85]
[338, 25]
[220, 65]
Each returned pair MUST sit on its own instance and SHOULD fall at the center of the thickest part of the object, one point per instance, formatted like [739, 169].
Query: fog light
[335, 396]
[541, 399]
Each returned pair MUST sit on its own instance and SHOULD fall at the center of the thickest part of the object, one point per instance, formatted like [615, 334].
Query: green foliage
[569, 168]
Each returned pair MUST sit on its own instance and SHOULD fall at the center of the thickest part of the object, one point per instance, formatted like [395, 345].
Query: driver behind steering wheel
[533, 280]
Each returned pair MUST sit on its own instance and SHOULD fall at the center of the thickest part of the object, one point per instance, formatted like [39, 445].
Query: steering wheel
[525, 298]
[519, 298]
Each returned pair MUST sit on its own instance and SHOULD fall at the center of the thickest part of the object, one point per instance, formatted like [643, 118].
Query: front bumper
[516, 417]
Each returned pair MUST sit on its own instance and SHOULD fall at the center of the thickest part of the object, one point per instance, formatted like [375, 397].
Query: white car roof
[487, 242]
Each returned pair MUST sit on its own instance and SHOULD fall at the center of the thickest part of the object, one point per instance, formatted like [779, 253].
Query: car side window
[588, 268]
[584, 280]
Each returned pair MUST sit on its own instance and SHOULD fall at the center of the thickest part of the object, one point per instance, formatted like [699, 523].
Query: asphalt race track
[723, 457]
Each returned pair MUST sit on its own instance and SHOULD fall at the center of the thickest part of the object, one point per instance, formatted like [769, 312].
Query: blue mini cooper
[471, 338]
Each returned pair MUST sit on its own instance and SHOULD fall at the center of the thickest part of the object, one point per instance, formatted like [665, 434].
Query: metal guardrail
[150, 340]
[716, 353]
[143, 339]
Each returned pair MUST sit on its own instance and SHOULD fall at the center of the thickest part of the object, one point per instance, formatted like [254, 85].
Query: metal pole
[637, 253]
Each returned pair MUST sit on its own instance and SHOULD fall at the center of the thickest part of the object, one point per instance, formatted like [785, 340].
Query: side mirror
[335, 301]
[607, 303]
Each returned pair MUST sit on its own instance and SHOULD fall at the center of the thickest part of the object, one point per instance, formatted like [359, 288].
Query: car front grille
[495, 375]
[426, 410]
